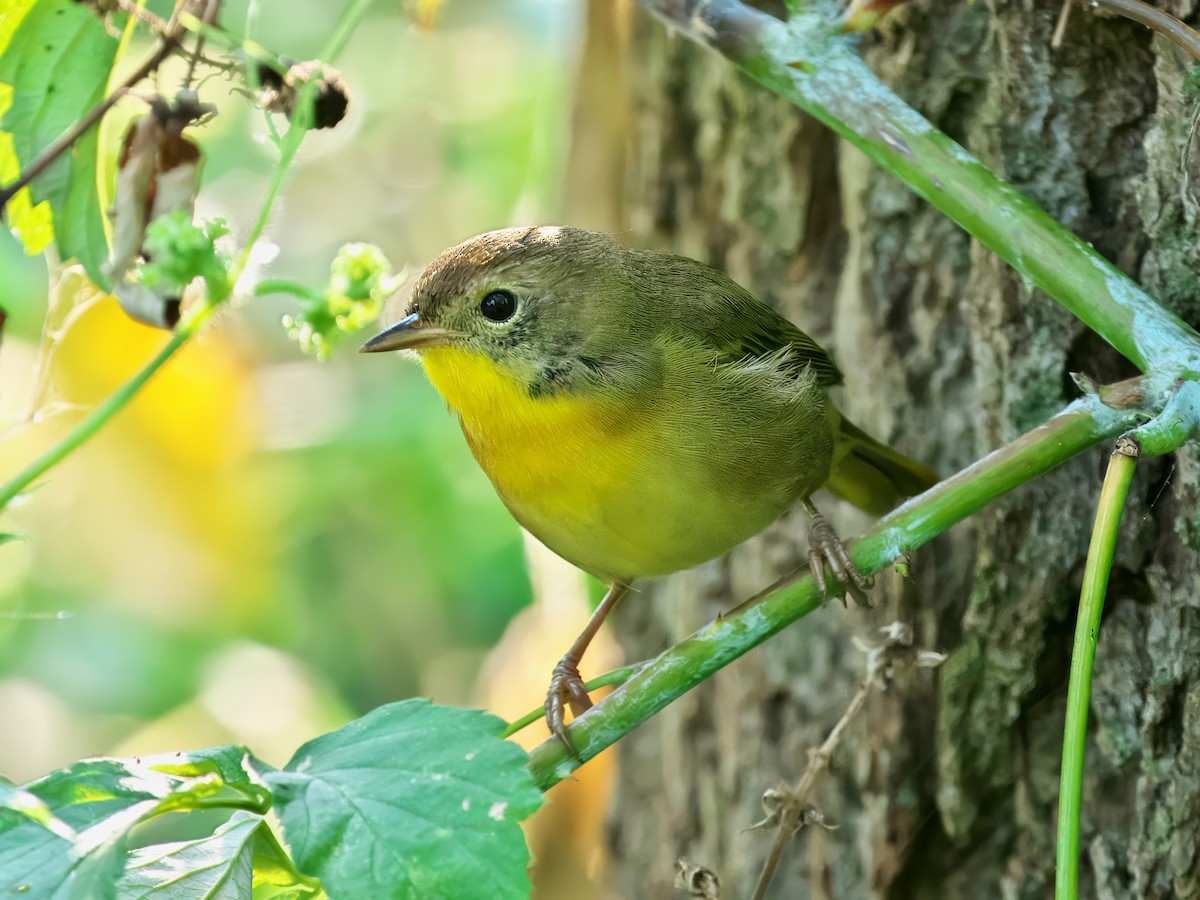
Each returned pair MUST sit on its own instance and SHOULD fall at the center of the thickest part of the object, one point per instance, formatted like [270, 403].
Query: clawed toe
[566, 687]
[826, 547]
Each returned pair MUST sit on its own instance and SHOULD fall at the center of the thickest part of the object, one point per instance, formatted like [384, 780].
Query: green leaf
[21, 801]
[275, 875]
[64, 835]
[53, 70]
[38, 862]
[227, 865]
[412, 800]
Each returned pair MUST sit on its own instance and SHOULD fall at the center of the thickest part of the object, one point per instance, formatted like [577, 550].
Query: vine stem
[681, 667]
[1173, 29]
[809, 62]
[112, 404]
[1083, 656]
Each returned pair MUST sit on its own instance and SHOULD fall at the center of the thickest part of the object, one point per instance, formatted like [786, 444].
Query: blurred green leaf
[97, 803]
[226, 865]
[55, 68]
[412, 800]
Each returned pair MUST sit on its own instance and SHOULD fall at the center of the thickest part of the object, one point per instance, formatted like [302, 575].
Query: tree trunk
[946, 786]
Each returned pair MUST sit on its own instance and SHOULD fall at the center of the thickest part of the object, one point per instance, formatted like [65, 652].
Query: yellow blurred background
[263, 546]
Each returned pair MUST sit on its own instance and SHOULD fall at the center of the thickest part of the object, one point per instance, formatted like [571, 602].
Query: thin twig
[1156, 20]
[198, 315]
[209, 16]
[794, 811]
[54, 327]
[167, 44]
[1060, 28]
[795, 805]
[139, 12]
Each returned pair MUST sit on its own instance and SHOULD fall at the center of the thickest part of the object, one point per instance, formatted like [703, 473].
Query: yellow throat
[549, 457]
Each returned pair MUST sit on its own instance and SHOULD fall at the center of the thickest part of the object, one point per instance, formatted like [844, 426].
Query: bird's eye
[498, 306]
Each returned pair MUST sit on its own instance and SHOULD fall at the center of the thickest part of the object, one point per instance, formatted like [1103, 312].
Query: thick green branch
[808, 62]
[1087, 632]
[683, 666]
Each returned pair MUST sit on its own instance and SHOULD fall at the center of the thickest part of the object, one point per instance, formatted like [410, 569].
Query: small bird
[637, 412]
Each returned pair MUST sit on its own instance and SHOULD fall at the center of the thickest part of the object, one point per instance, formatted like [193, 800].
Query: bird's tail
[872, 476]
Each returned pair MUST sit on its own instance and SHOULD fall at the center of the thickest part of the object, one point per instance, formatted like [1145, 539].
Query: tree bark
[947, 785]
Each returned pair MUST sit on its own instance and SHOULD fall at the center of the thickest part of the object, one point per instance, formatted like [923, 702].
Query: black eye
[498, 306]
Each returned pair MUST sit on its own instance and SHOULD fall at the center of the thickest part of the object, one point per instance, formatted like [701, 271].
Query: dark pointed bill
[410, 333]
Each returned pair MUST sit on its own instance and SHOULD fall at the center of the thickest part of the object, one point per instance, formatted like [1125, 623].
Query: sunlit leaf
[226, 865]
[94, 804]
[21, 801]
[412, 800]
[55, 68]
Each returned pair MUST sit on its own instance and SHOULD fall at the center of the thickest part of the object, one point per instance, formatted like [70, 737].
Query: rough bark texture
[947, 786]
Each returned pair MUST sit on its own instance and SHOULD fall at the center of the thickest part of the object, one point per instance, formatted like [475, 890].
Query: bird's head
[542, 303]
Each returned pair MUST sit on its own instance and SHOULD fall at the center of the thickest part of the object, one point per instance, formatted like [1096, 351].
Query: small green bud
[360, 280]
[361, 272]
[181, 251]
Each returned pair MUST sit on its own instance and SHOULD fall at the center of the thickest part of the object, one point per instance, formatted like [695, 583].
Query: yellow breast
[630, 486]
[550, 458]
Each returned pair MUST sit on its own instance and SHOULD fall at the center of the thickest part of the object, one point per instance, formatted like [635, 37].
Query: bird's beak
[410, 333]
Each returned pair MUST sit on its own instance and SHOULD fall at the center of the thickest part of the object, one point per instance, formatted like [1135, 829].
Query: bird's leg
[565, 685]
[824, 546]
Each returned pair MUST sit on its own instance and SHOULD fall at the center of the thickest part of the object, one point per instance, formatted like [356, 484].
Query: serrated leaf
[412, 800]
[100, 801]
[218, 867]
[226, 865]
[56, 66]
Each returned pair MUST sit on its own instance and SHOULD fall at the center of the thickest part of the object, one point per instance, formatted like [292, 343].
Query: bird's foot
[826, 547]
[566, 687]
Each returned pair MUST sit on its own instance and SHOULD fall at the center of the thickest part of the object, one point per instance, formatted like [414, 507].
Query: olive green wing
[710, 308]
[759, 334]
[741, 326]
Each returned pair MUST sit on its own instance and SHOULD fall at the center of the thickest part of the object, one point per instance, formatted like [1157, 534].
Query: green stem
[285, 286]
[1087, 630]
[683, 666]
[192, 323]
[1178, 422]
[119, 399]
[114, 403]
[808, 62]
[615, 676]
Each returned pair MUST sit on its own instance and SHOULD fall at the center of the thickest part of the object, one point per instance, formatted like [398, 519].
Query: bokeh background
[263, 546]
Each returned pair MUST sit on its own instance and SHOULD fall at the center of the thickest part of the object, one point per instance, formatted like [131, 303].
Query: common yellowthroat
[638, 412]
